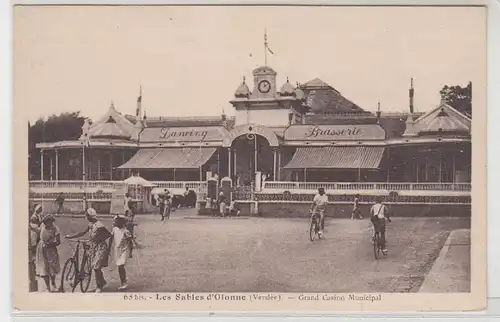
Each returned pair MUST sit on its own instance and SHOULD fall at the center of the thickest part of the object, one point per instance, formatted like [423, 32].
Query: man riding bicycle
[378, 214]
[318, 206]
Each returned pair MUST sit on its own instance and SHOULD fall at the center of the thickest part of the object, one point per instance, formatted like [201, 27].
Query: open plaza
[186, 254]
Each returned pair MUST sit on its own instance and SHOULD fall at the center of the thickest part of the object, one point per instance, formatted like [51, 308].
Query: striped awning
[169, 158]
[336, 158]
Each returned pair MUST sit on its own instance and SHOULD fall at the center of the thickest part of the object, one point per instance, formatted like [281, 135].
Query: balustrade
[389, 186]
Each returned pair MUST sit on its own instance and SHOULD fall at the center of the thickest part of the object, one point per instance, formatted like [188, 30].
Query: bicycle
[73, 273]
[377, 246]
[315, 226]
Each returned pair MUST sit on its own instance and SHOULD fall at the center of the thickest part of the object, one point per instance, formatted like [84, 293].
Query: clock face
[264, 86]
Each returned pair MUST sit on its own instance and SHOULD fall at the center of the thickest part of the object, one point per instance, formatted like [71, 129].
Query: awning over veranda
[336, 158]
[169, 158]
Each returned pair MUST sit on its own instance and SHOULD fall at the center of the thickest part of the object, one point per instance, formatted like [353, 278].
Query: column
[41, 165]
[418, 170]
[111, 165]
[454, 167]
[57, 165]
[218, 161]
[51, 166]
[234, 166]
[426, 169]
[98, 168]
[279, 166]
[229, 162]
[440, 167]
[274, 165]
[123, 162]
[84, 165]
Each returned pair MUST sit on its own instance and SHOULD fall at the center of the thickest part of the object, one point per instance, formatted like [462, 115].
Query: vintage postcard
[249, 158]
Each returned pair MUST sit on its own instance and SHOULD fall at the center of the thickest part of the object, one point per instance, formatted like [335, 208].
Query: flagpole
[265, 47]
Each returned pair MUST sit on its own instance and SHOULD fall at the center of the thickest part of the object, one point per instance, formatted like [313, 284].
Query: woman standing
[47, 256]
[99, 250]
[34, 237]
[37, 216]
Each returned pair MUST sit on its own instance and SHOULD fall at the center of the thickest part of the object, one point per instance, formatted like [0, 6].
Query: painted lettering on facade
[180, 135]
[321, 132]
[335, 132]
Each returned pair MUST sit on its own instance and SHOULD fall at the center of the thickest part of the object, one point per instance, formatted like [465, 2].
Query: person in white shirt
[378, 214]
[318, 206]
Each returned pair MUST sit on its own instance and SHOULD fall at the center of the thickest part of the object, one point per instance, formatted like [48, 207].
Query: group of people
[164, 203]
[221, 207]
[45, 237]
[379, 214]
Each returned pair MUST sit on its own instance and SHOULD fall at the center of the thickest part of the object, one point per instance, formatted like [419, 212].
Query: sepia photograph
[250, 154]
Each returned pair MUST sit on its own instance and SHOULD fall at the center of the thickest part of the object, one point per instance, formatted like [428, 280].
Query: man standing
[161, 202]
[59, 202]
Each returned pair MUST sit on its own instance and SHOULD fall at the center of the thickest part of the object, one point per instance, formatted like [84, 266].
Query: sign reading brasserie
[335, 132]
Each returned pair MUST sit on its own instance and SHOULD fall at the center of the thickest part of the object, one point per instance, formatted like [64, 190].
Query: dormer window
[111, 120]
[442, 113]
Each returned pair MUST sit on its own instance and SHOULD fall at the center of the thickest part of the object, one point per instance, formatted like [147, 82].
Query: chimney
[411, 94]
[378, 113]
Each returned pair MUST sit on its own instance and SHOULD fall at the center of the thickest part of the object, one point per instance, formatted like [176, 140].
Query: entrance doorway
[251, 153]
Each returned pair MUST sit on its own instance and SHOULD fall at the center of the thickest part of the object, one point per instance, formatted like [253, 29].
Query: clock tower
[265, 104]
[264, 80]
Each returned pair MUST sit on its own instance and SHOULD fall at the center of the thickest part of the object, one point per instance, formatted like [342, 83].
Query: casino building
[300, 136]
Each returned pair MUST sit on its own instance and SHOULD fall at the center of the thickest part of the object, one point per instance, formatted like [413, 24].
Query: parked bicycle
[75, 271]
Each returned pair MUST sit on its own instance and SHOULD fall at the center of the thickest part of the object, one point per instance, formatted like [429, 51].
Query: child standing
[122, 238]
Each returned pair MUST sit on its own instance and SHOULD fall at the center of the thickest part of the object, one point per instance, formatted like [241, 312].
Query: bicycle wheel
[376, 246]
[313, 229]
[68, 276]
[85, 274]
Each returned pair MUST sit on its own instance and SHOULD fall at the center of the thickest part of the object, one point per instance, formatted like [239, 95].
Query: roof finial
[244, 79]
[378, 106]
[287, 80]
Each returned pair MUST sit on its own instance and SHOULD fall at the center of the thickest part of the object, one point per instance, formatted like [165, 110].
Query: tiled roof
[189, 121]
[322, 98]
[109, 130]
[315, 83]
[113, 122]
[443, 119]
[336, 158]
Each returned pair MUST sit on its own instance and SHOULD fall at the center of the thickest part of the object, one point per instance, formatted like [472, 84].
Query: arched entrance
[252, 153]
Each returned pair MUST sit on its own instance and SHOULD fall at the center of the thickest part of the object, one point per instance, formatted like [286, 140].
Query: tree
[66, 126]
[458, 97]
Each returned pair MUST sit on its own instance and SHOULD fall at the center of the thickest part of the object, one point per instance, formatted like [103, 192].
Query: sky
[190, 60]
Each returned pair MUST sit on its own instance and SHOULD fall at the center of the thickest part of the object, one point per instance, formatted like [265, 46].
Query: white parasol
[138, 181]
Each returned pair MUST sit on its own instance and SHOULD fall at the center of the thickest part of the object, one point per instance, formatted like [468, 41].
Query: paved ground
[451, 271]
[259, 254]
